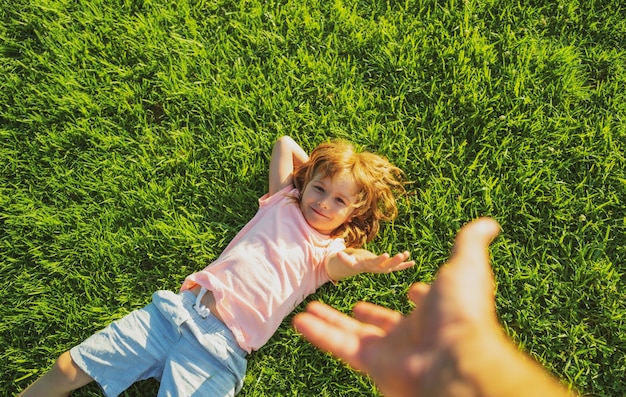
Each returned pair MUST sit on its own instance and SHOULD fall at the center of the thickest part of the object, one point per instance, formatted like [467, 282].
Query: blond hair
[377, 181]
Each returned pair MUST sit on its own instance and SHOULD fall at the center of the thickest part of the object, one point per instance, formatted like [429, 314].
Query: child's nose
[322, 203]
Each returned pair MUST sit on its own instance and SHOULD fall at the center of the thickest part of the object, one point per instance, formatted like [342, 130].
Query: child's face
[327, 202]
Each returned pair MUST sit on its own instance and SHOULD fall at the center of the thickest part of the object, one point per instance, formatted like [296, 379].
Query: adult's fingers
[332, 317]
[375, 315]
[331, 331]
[417, 292]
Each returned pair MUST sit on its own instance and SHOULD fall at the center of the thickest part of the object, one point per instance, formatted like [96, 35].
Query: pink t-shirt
[270, 266]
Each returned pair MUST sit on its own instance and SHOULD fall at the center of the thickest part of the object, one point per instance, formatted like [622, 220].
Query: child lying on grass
[308, 230]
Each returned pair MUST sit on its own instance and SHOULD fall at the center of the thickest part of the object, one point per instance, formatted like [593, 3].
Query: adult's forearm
[495, 367]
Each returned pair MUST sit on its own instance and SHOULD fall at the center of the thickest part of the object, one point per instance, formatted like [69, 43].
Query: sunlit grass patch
[135, 138]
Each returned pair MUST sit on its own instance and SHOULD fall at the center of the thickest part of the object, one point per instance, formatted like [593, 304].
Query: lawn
[135, 137]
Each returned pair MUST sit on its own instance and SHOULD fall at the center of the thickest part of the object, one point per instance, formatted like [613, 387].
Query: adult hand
[450, 345]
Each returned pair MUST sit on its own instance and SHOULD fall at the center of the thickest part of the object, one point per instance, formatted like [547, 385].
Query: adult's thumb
[471, 246]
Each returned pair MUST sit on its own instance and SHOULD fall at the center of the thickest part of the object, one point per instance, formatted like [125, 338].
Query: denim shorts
[169, 340]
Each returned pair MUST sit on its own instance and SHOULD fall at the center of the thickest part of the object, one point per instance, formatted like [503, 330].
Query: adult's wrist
[491, 365]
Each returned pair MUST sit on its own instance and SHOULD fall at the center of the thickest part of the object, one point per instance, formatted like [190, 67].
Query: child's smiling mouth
[318, 212]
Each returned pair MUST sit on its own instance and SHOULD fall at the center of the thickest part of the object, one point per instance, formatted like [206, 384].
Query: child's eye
[340, 200]
[318, 188]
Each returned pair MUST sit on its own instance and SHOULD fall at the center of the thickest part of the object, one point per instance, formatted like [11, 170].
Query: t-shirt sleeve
[334, 247]
[289, 191]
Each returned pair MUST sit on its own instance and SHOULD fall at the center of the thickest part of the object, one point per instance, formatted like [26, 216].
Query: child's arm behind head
[286, 155]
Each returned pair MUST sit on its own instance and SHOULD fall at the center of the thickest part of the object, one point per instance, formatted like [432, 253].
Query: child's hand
[361, 260]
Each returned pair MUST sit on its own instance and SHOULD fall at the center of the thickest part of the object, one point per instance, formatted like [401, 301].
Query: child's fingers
[397, 262]
[401, 257]
[404, 265]
[378, 264]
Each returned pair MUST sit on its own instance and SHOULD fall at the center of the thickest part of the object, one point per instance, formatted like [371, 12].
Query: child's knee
[63, 377]
[68, 373]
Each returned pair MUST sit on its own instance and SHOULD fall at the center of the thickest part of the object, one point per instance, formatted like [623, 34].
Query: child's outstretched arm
[286, 155]
[353, 261]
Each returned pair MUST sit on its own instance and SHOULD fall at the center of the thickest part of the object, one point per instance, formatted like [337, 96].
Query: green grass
[135, 137]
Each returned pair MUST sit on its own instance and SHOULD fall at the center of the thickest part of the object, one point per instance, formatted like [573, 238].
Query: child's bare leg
[62, 378]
